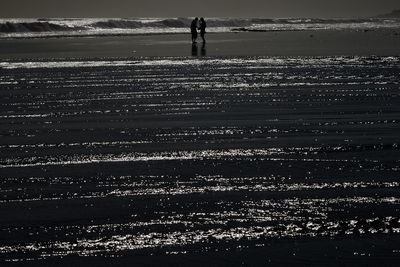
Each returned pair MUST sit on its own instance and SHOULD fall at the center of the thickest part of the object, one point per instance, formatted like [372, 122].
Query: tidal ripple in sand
[178, 155]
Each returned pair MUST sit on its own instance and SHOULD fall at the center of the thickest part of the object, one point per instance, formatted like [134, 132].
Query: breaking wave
[26, 28]
[9, 27]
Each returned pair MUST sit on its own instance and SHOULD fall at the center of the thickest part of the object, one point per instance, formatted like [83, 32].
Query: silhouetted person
[193, 29]
[202, 28]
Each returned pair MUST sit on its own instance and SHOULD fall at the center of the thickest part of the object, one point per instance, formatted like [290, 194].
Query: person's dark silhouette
[193, 29]
[203, 26]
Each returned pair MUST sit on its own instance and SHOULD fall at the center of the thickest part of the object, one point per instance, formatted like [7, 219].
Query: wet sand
[301, 43]
[219, 161]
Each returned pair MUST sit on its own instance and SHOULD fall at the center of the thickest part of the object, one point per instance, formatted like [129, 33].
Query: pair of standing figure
[201, 26]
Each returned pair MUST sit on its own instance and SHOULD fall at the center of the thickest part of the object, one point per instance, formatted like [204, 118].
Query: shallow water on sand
[180, 155]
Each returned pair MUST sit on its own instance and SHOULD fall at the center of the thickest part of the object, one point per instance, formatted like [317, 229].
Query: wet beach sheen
[175, 156]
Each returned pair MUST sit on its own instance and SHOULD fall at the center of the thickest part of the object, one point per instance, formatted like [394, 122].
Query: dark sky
[185, 8]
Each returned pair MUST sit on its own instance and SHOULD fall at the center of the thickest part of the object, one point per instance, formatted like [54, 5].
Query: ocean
[34, 28]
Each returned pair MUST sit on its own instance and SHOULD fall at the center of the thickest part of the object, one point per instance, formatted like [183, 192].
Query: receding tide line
[184, 61]
[245, 154]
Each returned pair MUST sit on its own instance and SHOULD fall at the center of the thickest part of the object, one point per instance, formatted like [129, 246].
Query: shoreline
[274, 43]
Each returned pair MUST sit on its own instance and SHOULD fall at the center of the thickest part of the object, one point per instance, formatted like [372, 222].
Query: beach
[259, 148]
[384, 42]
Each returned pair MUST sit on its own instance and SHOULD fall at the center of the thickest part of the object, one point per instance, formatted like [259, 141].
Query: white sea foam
[28, 28]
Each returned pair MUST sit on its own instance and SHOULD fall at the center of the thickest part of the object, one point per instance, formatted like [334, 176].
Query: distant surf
[33, 28]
